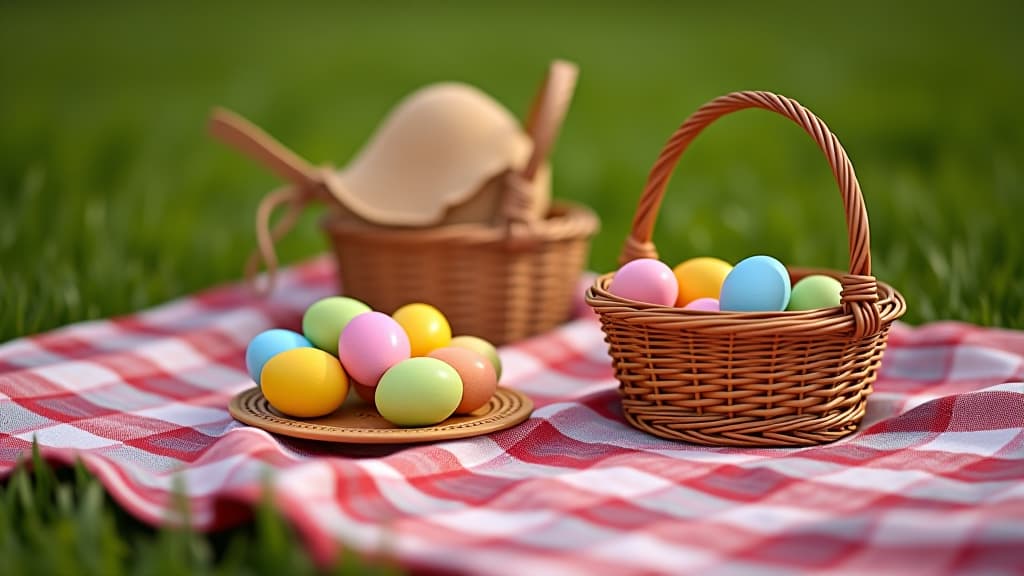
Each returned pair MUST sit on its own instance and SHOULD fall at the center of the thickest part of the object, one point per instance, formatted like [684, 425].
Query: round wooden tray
[357, 422]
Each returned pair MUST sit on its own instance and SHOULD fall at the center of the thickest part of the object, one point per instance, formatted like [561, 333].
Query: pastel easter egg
[370, 344]
[418, 392]
[268, 344]
[815, 291]
[700, 278]
[304, 382]
[704, 304]
[756, 284]
[646, 280]
[366, 393]
[325, 320]
[479, 380]
[580, 308]
[426, 327]
[481, 346]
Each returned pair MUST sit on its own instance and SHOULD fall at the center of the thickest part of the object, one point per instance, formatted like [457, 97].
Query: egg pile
[407, 364]
[757, 284]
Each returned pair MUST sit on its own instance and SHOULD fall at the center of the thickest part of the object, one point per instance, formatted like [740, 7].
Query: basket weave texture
[499, 284]
[750, 378]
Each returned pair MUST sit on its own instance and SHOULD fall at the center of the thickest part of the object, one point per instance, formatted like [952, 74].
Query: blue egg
[268, 344]
[757, 284]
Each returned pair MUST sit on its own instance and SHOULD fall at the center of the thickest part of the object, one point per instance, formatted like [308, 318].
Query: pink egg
[646, 280]
[706, 304]
[580, 308]
[370, 344]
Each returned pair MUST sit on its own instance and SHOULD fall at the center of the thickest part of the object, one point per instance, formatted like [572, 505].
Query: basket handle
[543, 123]
[307, 183]
[860, 290]
[248, 138]
[550, 105]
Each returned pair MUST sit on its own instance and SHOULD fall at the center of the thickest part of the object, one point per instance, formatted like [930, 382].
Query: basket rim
[565, 220]
[834, 321]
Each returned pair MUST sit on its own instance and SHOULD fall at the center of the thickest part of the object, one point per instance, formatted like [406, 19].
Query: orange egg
[480, 346]
[479, 380]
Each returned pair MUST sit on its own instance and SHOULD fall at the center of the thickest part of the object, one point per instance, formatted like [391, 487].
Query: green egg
[418, 392]
[325, 319]
[815, 291]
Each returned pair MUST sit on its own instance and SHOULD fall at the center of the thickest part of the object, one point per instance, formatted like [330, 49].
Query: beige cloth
[431, 160]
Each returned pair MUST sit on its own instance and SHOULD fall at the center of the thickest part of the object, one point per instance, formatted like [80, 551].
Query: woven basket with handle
[501, 281]
[750, 378]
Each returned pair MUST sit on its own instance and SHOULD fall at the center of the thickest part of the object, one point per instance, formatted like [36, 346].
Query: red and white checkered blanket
[933, 482]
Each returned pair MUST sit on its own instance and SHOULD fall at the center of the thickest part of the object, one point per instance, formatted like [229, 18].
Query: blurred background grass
[113, 198]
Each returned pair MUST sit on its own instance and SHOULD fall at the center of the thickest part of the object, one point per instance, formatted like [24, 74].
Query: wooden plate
[359, 423]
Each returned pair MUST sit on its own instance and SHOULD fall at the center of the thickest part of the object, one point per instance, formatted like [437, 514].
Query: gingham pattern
[933, 483]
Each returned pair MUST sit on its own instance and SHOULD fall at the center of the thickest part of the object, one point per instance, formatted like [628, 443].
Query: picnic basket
[749, 378]
[502, 281]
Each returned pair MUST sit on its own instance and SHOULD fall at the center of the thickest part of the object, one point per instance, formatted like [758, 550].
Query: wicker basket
[499, 284]
[502, 281]
[750, 378]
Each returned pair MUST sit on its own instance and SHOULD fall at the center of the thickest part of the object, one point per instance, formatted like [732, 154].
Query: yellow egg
[700, 278]
[426, 327]
[304, 382]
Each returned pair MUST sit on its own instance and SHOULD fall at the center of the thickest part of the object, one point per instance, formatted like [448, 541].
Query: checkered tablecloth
[933, 483]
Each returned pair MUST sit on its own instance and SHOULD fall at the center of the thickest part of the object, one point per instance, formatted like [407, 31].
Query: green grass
[60, 522]
[113, 198]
